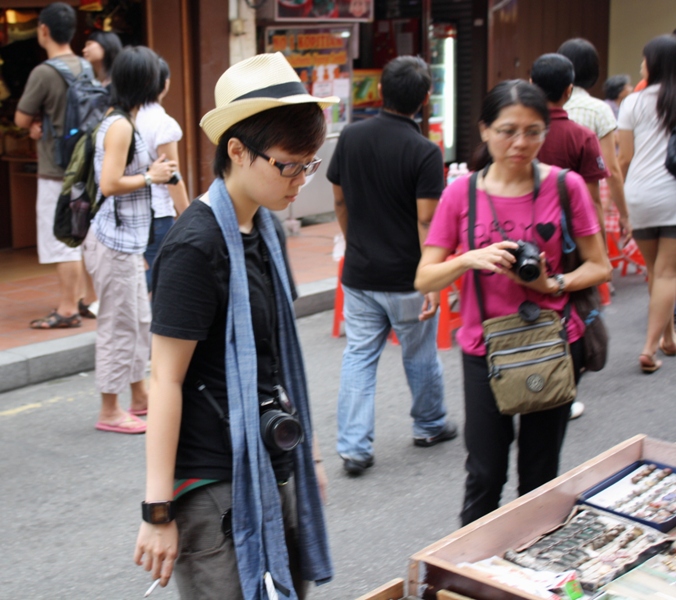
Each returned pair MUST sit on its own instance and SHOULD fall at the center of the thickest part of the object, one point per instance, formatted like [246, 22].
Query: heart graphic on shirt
[546, 230]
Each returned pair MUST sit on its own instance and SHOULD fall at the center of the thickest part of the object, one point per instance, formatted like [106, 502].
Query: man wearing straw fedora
[232, 502]
[387, 179]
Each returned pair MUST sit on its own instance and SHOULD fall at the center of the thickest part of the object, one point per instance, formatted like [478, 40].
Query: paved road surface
[70, 494]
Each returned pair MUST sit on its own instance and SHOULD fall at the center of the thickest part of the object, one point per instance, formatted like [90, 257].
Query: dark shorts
[655, 233]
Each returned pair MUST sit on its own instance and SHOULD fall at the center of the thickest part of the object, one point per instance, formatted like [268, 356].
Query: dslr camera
[527, 265]
[280, 428]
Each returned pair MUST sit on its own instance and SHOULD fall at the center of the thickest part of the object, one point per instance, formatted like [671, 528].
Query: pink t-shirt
[520, 218]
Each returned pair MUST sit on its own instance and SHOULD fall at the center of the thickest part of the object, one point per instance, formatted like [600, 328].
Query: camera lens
[280, 431]
[529, 269]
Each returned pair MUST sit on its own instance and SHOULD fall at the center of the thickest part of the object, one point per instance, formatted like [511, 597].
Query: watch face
[159, 513]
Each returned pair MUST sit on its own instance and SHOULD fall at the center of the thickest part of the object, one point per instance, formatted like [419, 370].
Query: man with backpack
[42, 110]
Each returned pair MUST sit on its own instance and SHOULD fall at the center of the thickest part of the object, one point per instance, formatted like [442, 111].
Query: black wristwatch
[158, 513]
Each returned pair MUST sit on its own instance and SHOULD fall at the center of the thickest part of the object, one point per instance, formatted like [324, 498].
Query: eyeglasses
[509, 134]
[289, 169]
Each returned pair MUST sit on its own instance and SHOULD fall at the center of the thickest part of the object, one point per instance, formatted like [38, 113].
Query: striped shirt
[591, 112]
[132, 210]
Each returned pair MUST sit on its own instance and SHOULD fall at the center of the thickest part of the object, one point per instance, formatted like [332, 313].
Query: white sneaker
[576, 410]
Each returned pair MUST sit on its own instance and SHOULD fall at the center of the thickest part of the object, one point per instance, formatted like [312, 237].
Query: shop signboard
[324, 10]
[322, 57]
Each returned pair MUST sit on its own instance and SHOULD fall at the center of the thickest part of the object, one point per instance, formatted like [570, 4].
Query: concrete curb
[34, 363]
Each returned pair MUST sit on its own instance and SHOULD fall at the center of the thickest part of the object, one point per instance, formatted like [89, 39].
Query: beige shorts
[51, 250]
[123, 319]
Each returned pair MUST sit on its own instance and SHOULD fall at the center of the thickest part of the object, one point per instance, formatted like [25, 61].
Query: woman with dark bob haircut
[646, 120]
[117, 238]
[101, 49]
[235, 506]
[517, 197]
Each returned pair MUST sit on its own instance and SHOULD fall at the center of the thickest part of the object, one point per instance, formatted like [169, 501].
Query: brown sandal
[84, 311]
[649, 364]
[56, 321]
[665, 350]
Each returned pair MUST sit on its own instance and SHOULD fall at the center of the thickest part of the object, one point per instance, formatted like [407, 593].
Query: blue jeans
[161, 226]
[369, 316]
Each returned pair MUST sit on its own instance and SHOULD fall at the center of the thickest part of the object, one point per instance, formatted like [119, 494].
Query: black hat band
[281, 90]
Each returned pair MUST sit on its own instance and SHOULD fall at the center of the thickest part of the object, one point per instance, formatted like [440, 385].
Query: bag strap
[569, 246]
[132, 146]
[471, 216]
[64, 70]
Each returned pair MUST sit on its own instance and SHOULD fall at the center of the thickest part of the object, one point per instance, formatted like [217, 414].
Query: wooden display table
[435, 568]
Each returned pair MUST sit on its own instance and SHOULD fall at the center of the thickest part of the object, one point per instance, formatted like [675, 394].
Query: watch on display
[158, 513]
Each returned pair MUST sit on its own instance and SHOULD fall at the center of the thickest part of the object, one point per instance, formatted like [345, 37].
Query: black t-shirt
[384, 165]
[190, 296]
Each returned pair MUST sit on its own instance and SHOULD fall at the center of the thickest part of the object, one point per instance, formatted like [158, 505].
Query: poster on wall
[323, 10]
[322, 58]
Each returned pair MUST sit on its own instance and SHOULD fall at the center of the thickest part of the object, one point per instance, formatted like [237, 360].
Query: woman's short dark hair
[134, 77]
[165, 74]
[660, 60]
[514, 92]
[61, 20]
[585, 60]
[405, 81]
[552, 73]
[613, 86]
[296, 129]
[111, 44]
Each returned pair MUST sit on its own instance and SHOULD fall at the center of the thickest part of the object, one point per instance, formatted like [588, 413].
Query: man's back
[45, 96]
[384, 165]
[572, 146]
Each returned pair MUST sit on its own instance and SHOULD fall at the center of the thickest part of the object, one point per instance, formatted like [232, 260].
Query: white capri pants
[123, 320]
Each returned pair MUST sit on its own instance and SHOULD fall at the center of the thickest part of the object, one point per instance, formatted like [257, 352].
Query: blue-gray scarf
[257, 524]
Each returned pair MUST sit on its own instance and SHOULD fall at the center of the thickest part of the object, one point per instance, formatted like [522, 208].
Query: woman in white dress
[645, 122]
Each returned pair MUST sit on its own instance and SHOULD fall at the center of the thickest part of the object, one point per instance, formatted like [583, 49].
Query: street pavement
[70, 494]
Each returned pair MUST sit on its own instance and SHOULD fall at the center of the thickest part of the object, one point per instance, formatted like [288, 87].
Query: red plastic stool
[604, 293]
[449, 320]
[338, 302]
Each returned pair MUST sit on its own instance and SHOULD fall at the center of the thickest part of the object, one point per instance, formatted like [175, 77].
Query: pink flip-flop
[119, 427]
[141, 412]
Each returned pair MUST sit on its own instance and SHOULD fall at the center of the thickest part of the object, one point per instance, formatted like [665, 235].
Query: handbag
[670, 163]
[530, 368]
[587, 302]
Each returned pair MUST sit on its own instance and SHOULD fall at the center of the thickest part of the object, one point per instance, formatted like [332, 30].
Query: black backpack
[86, 103]
[77, 202]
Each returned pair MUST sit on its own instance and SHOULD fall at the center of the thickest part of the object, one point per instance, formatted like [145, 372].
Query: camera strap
[471, 217]
[269, 290]
[223, 418]
[472, 222]
[536, 191]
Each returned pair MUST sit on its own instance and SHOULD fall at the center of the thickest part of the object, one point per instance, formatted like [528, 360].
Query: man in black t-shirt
[387, 179]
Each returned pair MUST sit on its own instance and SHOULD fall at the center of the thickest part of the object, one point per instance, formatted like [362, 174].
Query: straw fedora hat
[256, 84]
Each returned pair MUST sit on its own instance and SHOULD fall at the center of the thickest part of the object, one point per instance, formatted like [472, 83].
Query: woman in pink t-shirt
[513, 125]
